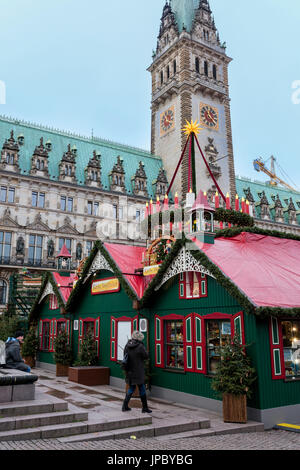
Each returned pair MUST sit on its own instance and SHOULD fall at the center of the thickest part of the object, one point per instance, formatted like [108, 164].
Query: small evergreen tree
[31, 343]
[234, 374]
[63, 351]
[8, 326]
[88, 354]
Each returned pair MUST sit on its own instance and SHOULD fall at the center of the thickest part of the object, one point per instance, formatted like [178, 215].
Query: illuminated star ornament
[192, 128]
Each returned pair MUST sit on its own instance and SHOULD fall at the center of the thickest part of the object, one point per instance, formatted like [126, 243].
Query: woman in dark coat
[135, 370]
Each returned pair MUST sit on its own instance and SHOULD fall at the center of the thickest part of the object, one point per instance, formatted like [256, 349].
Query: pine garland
[233, 232]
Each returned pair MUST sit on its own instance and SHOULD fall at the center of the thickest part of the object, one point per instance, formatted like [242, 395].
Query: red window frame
[42, 334]
[194, 338]
[52, 332]
[201, 277]
[96, 322]
[114, 333]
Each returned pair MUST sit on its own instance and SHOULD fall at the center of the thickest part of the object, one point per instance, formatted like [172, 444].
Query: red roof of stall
[64, 252]
[64, 284]
[128, 258]
[266, 269]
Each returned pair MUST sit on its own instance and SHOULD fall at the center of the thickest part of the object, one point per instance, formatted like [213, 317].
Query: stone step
[71, 428]
[32, 407]
[38, 420]
[220, 429]
[152, 430]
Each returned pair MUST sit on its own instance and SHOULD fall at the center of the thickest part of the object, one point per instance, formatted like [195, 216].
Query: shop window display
[218, 335]
[174, 344]
[291, 347]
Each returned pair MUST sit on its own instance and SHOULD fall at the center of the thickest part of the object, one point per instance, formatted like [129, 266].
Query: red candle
[247, 207]
[157, 205]
[166, 202]
[237, 203]
[243, 206]
[228, 201]
[147, 209]
[151, 207]
[176, 201]
[217, 201]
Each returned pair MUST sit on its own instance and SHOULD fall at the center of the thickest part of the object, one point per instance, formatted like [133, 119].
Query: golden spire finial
[192, 128]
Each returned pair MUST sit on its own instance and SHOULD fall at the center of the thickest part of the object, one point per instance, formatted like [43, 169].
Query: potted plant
[62, 354]
[85, 370]
[30, 347]
[233, 379]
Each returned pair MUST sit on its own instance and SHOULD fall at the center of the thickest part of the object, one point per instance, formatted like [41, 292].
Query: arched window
[206, 68]
[197, 66]
[70, 171]
[3, 292]
[37, 164]
[215, 72]
[11, 160]
[42, 165]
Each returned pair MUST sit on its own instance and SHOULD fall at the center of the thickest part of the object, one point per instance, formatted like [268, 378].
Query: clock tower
[190, 82]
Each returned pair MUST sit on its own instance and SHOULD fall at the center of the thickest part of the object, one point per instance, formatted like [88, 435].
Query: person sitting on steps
[13, 353]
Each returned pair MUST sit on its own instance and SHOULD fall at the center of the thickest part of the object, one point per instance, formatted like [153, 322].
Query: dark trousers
[142, 390]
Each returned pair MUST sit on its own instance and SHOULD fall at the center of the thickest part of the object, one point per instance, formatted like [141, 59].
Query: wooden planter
[89, 375]
[30, 361]
[234, 408]
[62, 370]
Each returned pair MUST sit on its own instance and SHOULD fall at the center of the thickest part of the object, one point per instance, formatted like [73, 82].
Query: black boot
[145, 408]
[125, 406]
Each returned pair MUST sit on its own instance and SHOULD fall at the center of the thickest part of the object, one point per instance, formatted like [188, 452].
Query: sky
[81, 66]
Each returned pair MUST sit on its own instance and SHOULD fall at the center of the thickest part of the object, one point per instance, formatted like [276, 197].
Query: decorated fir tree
[31, 344]
[235, 375]
[63, 351]
[88, 353]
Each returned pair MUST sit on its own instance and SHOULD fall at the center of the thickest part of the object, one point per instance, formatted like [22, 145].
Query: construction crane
[259, 165]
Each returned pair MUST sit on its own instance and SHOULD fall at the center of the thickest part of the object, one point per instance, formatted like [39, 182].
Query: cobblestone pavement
[268, 440]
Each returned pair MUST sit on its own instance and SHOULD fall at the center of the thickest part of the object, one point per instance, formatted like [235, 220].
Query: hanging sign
[151, 270]
[106, 286]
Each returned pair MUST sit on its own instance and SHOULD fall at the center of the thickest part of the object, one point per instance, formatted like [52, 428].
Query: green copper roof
[85, 147]
[271, 192]
[184, 11]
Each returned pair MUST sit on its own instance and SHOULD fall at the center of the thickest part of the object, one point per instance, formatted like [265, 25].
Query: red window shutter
[188, 334]
[80, 334]
[135, 324]
[113, 339]
[159, 350]
[237, 327]
[276, 349]
[199, 345]
[41, 334]
[97, 334]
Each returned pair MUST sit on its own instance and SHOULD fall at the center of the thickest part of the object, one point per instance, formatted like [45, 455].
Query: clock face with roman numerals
[167, 120]
[209, 116]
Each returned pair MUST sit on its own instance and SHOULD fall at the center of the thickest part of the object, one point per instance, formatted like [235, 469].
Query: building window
[67, 242]
[35, 253]
[38, 199]
[11, 195]
[5, 246]
[89, 247]
[66, 204]
[215, 72]
[291, 346]
[174, 66]
[168, 72]
[53, 302]
[45, 342]
[10, 158]
[197, 65]
[206, 68]
[174, 352]
[218, 335]
[192, 285]
[3, 292]
[93, 208]
[89, 325]
[115, 211]
[121, 330]
[138, 216]
[3, 194]
[161, 78]
[63, 203]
